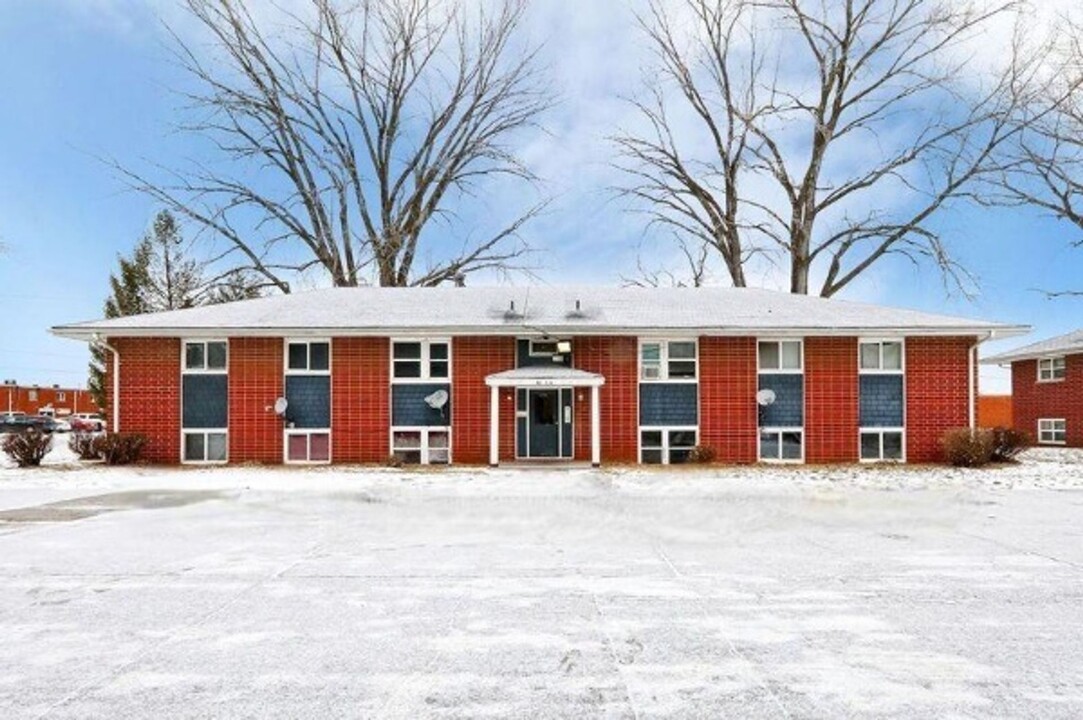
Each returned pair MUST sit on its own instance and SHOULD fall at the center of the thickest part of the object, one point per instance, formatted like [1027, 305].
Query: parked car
[21, 422]
[87, 422]
[63, 425]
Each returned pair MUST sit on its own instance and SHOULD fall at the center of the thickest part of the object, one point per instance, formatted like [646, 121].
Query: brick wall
[937, 371]
[1032, 400]
[360, 399]
[472, 359]
[150, 394]
[727, 397]
[255, 382]
[831, 400]
[616, 359]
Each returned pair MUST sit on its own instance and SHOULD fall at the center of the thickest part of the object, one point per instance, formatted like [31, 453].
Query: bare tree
[1046, 171]
[340, 138]
[829, 135]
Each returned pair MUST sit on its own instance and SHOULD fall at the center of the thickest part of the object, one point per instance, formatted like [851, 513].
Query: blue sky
[86, 79]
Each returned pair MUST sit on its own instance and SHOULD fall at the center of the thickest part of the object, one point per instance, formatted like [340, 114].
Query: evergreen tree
[161, 274]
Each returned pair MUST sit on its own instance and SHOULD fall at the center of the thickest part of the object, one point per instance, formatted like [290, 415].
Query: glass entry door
[548, 423]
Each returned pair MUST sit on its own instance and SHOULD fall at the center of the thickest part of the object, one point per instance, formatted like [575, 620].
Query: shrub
[393, 461]
[27, 449]
[84, 445]
[702, 454]
[964, 447]
[1008, 443]
[120, 448]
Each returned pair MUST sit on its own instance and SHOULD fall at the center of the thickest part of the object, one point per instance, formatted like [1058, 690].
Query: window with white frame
[1052, 431]
[206, 446]
[304, 356]
[32, 395]
[206, 356]
[420, 360]
[422, 445]
[308, 411]
[777, 356]
[881, 444]
[204, 411]
[782, 444]
[667, 446]
[880, 356]
[1052, 369]
[61, 396]
[668, 361]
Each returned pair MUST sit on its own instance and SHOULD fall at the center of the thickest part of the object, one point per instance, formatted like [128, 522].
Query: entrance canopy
[544, 376]
[556, 376]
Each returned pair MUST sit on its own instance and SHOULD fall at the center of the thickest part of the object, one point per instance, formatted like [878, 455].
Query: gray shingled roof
[1067, 344]
[521, 310]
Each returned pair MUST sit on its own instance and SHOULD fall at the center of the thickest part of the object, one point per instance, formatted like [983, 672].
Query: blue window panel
[788, 409]
[206, 400]
[309, 399]
[408, 406]
[881, 403]
[662, 404]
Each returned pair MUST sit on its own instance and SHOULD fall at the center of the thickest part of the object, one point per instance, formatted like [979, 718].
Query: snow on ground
[729, 592]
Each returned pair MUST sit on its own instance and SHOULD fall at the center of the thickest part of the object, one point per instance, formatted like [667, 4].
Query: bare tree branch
[339, 137]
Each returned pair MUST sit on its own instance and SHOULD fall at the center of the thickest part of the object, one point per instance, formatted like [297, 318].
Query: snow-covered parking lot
[721, 593]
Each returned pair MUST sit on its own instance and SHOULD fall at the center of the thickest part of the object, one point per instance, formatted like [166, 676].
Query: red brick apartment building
[499, 375]
[1047, 389]
[34, 399]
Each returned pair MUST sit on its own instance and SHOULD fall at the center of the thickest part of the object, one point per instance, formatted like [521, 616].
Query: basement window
[1052, 369]
[308, 447]
[882, 445]
[421, 446]
[205, 446]
[782, 444]
[1052, 431]
[667, 446]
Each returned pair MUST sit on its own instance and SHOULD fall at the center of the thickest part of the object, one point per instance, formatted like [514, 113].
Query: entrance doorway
[545, 423]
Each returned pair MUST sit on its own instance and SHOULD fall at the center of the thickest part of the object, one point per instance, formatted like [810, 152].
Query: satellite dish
[766, 397]
[280, 406]
[437, 400]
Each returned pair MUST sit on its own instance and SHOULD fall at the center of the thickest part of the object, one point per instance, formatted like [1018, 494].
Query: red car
[87, 422]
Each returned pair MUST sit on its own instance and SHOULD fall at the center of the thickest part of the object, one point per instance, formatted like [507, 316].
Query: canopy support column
[595, 427]
[494, 426]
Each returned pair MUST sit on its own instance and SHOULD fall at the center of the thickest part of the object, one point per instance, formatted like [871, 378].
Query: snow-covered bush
[120, 448]
[1008, 443]
[702, 454]
[964, 447]
[84, 445]
[27, 449]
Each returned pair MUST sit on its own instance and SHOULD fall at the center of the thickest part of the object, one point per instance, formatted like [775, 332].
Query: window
[1052, 432]
[780, 356]
[666, 446]
[32, 395]
[781, 444]
[669, 360]
[421, 360]
[308, 447]
[1052, 369]
[210, 356]
[881, 445]
[421, 446]
[543, 348]
[61, 396]
[308, 357]
[881, 356]
[205, 446]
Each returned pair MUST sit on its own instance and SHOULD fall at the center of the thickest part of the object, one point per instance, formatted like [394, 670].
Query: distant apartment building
[50, 400]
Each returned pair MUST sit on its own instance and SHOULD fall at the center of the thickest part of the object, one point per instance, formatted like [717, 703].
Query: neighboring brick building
[491, 375]
[994, 411]
[33, 399]
[1047, 389]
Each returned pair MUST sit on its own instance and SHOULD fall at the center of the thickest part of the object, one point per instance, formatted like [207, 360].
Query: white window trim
[881, 431]
[425, 360]
[425, 430]
[204, 432]
[309, 342]
[1052, 362]
[63, 397]
[663, 359]
[204, 370]
[1052, 431]
[881, 370]
[307, 431]
[665, 430]
[780, 371]
[779, 430]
